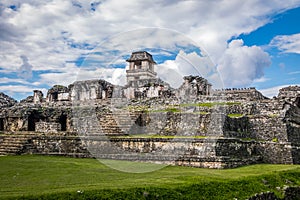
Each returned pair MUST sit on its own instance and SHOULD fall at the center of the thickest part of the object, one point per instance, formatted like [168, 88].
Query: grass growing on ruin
[70, 178]
[161, 136]
[235, 115]
[211, 104]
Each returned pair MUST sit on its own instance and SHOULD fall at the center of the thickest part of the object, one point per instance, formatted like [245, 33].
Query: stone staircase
[14, 144]
[89, 122]
[117, 122]
[217, 120]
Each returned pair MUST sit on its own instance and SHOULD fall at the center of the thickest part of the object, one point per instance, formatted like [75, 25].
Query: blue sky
[285, 67]
[231, 43]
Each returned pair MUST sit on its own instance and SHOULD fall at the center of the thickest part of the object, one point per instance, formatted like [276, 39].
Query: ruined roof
[140, 55]
[290, 88]
[6, 101]
[59, 89]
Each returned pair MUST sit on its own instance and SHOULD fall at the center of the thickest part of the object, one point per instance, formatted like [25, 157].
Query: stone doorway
[32, 119]
[297, 102]
[63, 122]
[1, 124]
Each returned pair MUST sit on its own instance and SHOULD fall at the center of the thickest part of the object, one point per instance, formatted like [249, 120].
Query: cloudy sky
[232, 43]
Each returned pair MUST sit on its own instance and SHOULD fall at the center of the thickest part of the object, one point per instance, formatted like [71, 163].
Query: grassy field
[45, 177]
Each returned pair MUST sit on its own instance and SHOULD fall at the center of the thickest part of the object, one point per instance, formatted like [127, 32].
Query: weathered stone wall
[289, 94]
[37, 96]
[278, 152]
[24, 117]
[268, 128]
[290, 193]
[47, 127]
[210, 153]
[57, 145]
[240, 94]
[271, 126]
[56, 93]
[193, 86]
[6, 101]
[90, 90]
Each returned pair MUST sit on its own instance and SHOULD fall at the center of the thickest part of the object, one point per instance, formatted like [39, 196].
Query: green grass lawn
[45, 177]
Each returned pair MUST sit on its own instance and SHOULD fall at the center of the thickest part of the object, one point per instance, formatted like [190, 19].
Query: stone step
[10, 150]
[7, 144]
[13, 143]
[16, 136]
[11, 147]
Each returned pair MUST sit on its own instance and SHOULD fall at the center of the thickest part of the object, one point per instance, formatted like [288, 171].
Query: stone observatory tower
[141, 69]
[142, 80]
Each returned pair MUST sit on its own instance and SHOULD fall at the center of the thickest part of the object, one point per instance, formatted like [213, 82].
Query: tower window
[138, 64]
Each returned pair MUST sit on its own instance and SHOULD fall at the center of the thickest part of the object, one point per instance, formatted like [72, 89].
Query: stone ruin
[147, 120]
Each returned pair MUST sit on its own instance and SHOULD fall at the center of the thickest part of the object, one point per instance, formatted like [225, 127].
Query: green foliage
[235, 115]
[46, 177]
[169, 109]
[159, 136]
[275, 139]
[172, 109]
[211, 104]
[273, 115]
[140, 108]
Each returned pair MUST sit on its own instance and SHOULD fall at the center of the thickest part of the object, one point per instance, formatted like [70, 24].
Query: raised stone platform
[195, 152]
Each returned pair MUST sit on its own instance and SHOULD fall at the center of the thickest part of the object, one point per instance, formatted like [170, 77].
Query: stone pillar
[131, 66]
[37, 96]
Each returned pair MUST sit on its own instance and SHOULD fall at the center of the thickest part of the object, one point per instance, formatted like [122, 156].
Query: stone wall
[37, 96]
[56, 93]
[47, 127]
[90, 90]
[57, 145]
[193, 86]
[289, 94]
[240, 94]
[6, 101]
[290, 193]
[271, 126]
[209, 153]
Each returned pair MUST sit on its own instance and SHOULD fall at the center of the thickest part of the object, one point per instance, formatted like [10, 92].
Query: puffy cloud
[273, 91]
[25, 70]
[53, 33]
[20, 91]
[172, 71]
[240, 65]
[287, 43]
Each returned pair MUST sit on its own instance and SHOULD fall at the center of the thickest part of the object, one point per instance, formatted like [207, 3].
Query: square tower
[141, 67]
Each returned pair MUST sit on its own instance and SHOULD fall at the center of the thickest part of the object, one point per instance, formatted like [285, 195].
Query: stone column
[37, 96]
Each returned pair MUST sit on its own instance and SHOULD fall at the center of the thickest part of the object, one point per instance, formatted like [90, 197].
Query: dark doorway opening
[298, 102]
[1, 124]
[32, 119]
[63, 122]
[54, 96]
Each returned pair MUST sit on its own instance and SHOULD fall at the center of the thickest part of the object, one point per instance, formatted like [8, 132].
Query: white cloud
[12, 80]
[287, 43]
[261, 79]
[19, 91]
[114, 75]
[172, 71]
[25, 70]
[293, 73]
[240, 65]
[273, 91]
[52, 32]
